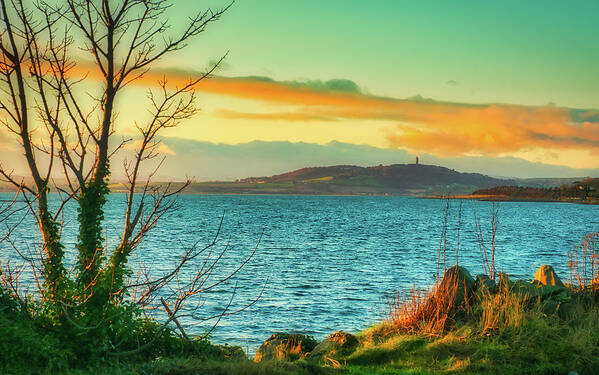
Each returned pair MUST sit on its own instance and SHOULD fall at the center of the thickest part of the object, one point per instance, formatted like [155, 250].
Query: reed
[584, 263]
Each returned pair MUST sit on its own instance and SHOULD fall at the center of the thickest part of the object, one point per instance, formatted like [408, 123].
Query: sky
[505, 88]
[531, 53]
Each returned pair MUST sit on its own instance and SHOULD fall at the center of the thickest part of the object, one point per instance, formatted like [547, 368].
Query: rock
[456, 288]
[338, 343]
[285, 347]
[484, 288]
[547, 276]
[503, 280]
[484, 281]
[532, 290]
[457, 274]
[525, 290]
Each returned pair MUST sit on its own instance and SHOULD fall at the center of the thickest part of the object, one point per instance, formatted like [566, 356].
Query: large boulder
[484, 282]
[337, 344]
[535, 290]
[503, 280]
[545, 275]
[457, 285]
[485, 286]
[285, 347]
[450, 301]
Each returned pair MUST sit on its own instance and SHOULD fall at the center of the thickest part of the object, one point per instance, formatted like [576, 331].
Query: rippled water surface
[331, 263]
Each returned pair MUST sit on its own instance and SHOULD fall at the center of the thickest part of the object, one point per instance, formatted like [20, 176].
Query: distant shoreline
[478, 197]
[505, 198]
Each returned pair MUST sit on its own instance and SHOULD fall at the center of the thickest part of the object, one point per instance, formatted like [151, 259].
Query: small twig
[174, 319]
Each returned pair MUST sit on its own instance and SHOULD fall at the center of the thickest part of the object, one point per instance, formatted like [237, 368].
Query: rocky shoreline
[458, 295]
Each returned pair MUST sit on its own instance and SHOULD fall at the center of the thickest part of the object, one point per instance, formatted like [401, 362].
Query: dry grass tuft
[502, 309]
[431, 312]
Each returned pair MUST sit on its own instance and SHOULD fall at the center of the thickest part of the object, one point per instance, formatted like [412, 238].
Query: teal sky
[521, 52]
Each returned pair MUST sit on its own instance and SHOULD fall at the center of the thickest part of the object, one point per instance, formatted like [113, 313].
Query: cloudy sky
[506, 88]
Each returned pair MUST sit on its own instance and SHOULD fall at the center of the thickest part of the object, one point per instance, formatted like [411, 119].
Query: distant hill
[396, 179]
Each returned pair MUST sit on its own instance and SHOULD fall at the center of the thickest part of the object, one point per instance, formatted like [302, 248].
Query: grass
[504, 333]
[497, 333]
[458, 327]
[534, 348]
[196, 366]
[488, 332]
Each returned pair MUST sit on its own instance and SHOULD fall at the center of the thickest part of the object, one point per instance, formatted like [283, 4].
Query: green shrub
[26, 347]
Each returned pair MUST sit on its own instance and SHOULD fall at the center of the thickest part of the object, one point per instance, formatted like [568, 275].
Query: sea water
[326, 263]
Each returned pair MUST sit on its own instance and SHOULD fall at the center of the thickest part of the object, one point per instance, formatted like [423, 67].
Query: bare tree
[67, 136]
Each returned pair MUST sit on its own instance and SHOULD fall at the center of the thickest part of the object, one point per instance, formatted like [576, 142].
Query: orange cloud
[494, 129]
[283, 116]
[446, 129]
